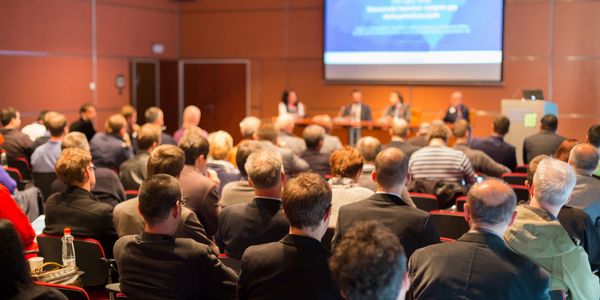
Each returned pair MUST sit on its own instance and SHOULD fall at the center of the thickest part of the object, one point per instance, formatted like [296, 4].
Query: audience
[237, 192]
[479, 265]
[399, 133]
[318, 162]
[77, 208]
[16, 144]
[346, 168]
[155, 116]
[267, 135]
[285, 124]
[545, 141]
[111, 148]
[296, 266]
[330, 142]
[191, 119]
[133, 171]
[457, 110]
[156, 264]
[480, 161]
[537, 234]
[165, 159]
[368, 147]
[45, 156]
[221, 143]
[85, 123]
[248, 127]
[130, 114]
[586, 193]
[420, 140]
[564, 149]
[369, 263]
[495, 146]
[200, 193]
[260, 221]
[413, 226]
[37, 128]
[46, 136]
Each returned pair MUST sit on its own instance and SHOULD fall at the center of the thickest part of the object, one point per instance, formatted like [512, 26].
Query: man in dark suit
[260, 221]
[85, 124]
[457, 110]
[357, 110]
[268, 136]
[495, 146]
[156, 265]
[318, 162]
[544, 142]
[239, 192]
[296, 266]
[399, 133]
[113, 147]
[479, 265]
[413, 226]
[133, 171]
[16, 144]
[156, 116]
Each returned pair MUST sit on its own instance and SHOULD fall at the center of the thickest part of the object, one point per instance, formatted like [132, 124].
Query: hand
[212, 175]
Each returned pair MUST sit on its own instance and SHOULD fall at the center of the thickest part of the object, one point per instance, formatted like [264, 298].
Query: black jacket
[581, 229]
[317, 162]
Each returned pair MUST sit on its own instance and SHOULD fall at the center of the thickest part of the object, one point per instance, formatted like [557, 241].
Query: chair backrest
[21, 164]
[235, 264]
[522, 193]
[460, 203]
[14, 173]
[426, 202]
[515, 178]
[521, 168]
[130, 194]
[449, 224]
[88, 257]
[44, 182]
[72, 292]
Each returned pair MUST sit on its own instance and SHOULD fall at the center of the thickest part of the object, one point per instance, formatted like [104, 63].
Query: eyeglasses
[93, 167]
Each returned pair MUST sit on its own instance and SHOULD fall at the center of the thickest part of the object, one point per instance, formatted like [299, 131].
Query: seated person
[221, 143]
[494, 271]
[111, 148]
[16, 144]
[45, 156]
[77, 208]
[133, 171]
[248, 127]
[314, 136]
[260, 221]
[37, 128]
[291, 105]
[457, 110]
[155, 115]
[285, 124]
[331, 142]
[420, 140]
[191, 119]
[296, 266]
[267, 135]
[586, 193]
[495, 146]
[85, 124]
[564, 149]
[399, 133]
[356, 111]
[397, 108]
[480, 161]
[369, 263]
[155, 264]
[12, 212]
[240, 191]
[545, 141]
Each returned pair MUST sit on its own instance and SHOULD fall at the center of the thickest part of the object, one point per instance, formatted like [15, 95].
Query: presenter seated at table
[397, 108]
[457, 110]
[291, 105]
[357, 110]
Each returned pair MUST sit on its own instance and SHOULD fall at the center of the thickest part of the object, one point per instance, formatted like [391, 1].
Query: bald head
[191, 115]
[584, 158]
[323, 121]
[285, 123]
[491, 202]
[391, 167]
[399, 128]
[368, 147]
[456, 98]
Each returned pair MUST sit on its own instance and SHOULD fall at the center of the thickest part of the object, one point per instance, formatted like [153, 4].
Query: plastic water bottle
[68, 248]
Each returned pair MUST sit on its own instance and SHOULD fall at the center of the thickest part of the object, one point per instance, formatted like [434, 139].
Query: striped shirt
[441, 163]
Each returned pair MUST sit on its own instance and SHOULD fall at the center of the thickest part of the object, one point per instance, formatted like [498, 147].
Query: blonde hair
[220, 143]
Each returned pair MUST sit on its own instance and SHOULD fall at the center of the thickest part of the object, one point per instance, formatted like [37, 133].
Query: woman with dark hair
[291, 105]
[564, 149]
[397, 108]
[15, 279]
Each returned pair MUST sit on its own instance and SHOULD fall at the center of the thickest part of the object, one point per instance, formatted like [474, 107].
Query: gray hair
[584, 157]
[312, 135]
[553, 182]
[399, 127]
[249, 125]
[368, 147]
[264, 168]
[75, 139]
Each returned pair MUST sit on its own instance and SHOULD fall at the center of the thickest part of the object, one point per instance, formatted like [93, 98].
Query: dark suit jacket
[413, 226]
[85, 127]
[365, 112]
[155, 266]
[167, 139]
[243, 225]
[582, 230]
[318, 162]
[543, 142]
[407, 148]
[293, 268]
[476, 266]
[202, 196]
[497, 149]
[452, 117]
[133, 171]
[109, 150]
[108, 188]
[16, 144]
[87, 217]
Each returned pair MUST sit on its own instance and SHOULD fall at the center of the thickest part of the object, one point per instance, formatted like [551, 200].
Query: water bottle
[68, 248]
[3, 159]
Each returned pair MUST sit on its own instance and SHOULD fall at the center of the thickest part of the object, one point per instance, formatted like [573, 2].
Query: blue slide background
[484, 18]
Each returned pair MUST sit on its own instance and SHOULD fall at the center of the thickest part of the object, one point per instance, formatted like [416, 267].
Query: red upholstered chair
[21, 164]
[515, 178]
[130, 194]
[426, 202]
[522, 193]
[72, 292]
[449, 224]
[460, 203]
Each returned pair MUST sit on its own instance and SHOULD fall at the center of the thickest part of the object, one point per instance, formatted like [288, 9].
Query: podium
[524, 116]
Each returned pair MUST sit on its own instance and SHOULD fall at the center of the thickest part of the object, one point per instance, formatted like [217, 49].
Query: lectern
[525, 118]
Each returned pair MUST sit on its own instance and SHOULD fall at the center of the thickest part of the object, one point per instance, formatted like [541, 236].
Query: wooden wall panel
[576, 28]
[527, 30]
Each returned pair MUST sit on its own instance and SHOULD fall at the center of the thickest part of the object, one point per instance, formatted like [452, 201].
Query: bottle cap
[67, 230]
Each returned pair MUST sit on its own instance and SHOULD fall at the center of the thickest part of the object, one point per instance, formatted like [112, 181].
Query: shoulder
[126, 205]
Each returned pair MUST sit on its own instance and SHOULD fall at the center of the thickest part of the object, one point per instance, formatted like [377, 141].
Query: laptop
[533, 94]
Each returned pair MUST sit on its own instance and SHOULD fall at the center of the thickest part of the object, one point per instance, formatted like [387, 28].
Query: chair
[21, 164]
[327, 238]
[89, 257]
[43, 181]
[521, 168]
[72, 292]
[449, 224]
[460, 203]
[522, 193]
[515, 178]
[235, 264]
[426, 202]
[130, 194]
[15, 174]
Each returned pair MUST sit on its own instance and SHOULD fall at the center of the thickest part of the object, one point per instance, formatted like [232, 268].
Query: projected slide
[413, 40]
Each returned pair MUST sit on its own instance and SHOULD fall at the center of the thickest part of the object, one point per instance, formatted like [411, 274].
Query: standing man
[85, 124]
[457, 110]
[356, 111]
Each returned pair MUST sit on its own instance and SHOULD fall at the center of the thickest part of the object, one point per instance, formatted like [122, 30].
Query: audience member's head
[564, 149]
[56, 123]
[490, 204]
[15, 271]
[368, 147]
[313, 136]
[549, 122]
[369, 263]
[532, 167]
[593, 135]
[74, 167]
[245, 148]
[41, 119]
[191, 116]
[265, 170]
[323, 121]
[391, 167]
[166, 159]
[194, 146]
[461, 129]
[356, 96]
[10, 117]
[129, 113]
[248, 127]
[116, 124]
[148, 137]
[87, 112]
[584, 158]
[346, 162]
[501, 125]
[424, 128]
[75, 139]
[220, 143]
[553, 183]
[306, 202]
[154, 115]
[267, 131]
[160, 200]
[399, 128]
[456, 98]
[285, 123]
[439, 132]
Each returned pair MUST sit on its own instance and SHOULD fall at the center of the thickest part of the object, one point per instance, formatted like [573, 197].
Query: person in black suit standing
[296, 266]
[479, 265]
[457, 110]
[357, 110]
[413, 226]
